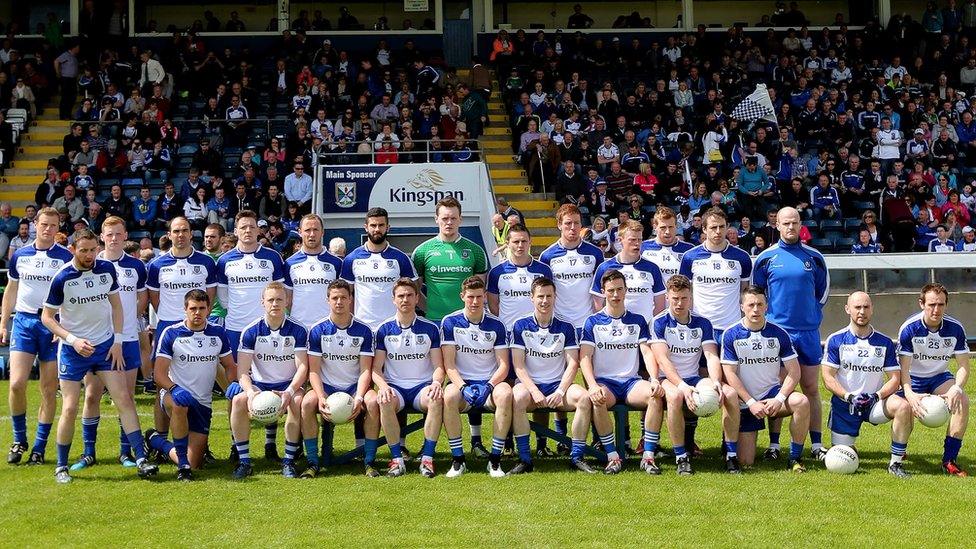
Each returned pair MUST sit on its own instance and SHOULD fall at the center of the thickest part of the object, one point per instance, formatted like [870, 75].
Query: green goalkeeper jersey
[444, 266]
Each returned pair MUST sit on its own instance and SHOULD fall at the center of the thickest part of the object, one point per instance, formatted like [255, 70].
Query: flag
[756, 106]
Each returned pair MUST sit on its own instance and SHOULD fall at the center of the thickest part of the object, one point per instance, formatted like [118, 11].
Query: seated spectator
[272, 205]
[298, 188]
[82, 180]
[195, 209]
[751, 186]
[864, 244]
[70, 202]
[157, 163]
[86, 156]
[49, 190]
[337, 247]
[824, 199]
[758, 246]
[941, 242]
[21, 239]
[700, 198]
[219, 209]
[968, 241]
[118, 204]
[292, 217]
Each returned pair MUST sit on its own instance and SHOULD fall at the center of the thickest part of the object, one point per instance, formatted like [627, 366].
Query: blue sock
[182, 448]
[497, 445]
[774, 439]
[474, 423]
[816, 439]
[369, 450]
[457, 447]
[731, 449]
[63, 451]
[125, 448]
[524, 449]
[161, 444]
[609, 445]
[576, 451]
[691, 424]
[40, 438]
[651, 441]
[291, 450]
[89, 433]
[898, 450]
[561, 425]
[20, 428]
[951, 449]
[428, 448]
[395, 451]
[359, 433]
[680, 452]
[796, 450]
[312, 451]
[244, 451]
[135, 441]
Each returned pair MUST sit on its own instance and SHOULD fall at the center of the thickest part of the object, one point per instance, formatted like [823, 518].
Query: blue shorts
[619, 389]
[409, 396]
[929, 384]
[841, 419]
[29, 335]
[280, 386]
[690, 380]
[132, 355]
[73, 367]
[234, 338]
[749, 423]
[548, 388]
[198, 416]
[809, 351]
[158, 333]
[350, 390]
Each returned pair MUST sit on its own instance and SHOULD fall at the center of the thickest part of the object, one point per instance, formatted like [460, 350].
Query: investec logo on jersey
[634, 288]
[198, 358]
[933, 349]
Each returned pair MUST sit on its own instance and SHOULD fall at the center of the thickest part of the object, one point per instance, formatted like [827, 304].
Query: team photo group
[675, 332]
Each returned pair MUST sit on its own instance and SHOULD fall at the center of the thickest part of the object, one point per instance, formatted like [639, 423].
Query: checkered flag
[756, 106]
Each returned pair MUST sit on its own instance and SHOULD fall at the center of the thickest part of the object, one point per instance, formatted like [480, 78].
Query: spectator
[118, 205]
[242, 199]
[70, 202]
[66, 67]
[49, 190]
[272, 205]
[291, 218]
[219, 209]
[337, 247]
[144, 210]
[195, 209]
[865, 244]
[968, 241]
[751, 186]
[21, 239]
[824, 199]
[298, 188]
[95, 216]
[941, 242]
[157, 163]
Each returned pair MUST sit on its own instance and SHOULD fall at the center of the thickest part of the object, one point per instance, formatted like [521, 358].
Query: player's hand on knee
[597, 396]
[324, 408]
[772, 406]
[285, 401]
[435, 392]
[758, 409]
[657, 390]
[915, 401]
[250, 398]
[556, 399]
[689, 394]
[538, 398]
[357, 407]
[954, 398]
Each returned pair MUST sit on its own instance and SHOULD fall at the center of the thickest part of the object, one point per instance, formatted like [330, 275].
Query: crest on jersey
[731, 264]
[489, 337]
[694, 333]
[947, 342]
[263, 264]
[345, 194]
[389, 263]
[465, 254]
[632, 329]
[807, 265]
[421, 339]
[587, 259]
[771, 342]
[197, 269]
[289, 340]
[213, 342]
[103, 278]
[878, 352]
[357, 341]
[127, 272]
[643, 275]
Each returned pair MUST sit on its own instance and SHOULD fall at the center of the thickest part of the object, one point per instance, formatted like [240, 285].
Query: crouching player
[189, 357]
[752, 352]
[680, 340]
[856, 361]
[475, 352]
[272, 357]
[613, 340]
[409, 374]
[340, 360]
[546, 358]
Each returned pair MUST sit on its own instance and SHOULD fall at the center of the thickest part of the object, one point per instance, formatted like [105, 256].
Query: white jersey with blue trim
[34, 269]
[173, 277]
[194, 357]
[616, 343]
[513, 286]
[684, 341]
[545, 347]
[643, 283]
[309, 277]
[931, 350]
[340, 349]
[572, 272]
[273, 351]
[407, 350]
[373, 275]
[474, 343]
[860, 361]
[244, 275]
[759, 355]
[716, 279]
[131, 275]
[667, 258]
[82, 297]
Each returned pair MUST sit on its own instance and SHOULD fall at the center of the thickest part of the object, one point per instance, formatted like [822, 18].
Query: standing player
[29, 280]
[373, 269]
[409, 374]
[545, 355]
[665, 250]
[613, 341]
[309, 272]
[475, 352]
[190, 357]
[340, 359]
[509, 282]
[131, 275]
[83, 309]
[753, 351]
[928, 341]
[645, 287]
[797, 285]
[680, 341]
[213, 236]
[854, 370]
[272, 357]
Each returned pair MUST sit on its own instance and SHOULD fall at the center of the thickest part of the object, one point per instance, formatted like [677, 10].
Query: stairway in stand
[41, 143]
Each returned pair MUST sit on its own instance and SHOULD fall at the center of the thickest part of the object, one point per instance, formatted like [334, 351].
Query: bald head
[860, 309]
[788, 223]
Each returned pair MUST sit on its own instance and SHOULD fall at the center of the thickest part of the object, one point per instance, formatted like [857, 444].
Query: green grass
[109, 506]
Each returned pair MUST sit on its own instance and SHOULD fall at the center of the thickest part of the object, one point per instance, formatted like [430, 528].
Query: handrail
[352, 146]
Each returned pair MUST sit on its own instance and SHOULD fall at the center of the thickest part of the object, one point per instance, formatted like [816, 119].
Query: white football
[936, 411]
[706, 398]
[340, 407]
[842, 460]
[265, 407]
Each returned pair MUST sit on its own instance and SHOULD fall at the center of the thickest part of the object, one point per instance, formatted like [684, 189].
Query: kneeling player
[613, 339]
[752, 352]
[679, 340]
[857, 358]
[475, 351]
[340, 360]
[189, 357]
[546, 358]
[272, 357]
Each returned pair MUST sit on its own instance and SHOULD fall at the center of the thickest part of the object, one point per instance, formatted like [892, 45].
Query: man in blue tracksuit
[797, 284]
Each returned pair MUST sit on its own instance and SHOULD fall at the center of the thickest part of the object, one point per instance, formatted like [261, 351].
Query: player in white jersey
[31, 270]
[613, 341]
[681, 341]
[928, 341]
[645, 286]
[192, 356]
[340, 360]
[272, 357]
[754, 354]
[131, 274]
[509, 281]
[83, 309]
[373, 269]
[409, 374]
[665, 250]
[308, 272]
[856, 362]
[545, 355]
[475, 350]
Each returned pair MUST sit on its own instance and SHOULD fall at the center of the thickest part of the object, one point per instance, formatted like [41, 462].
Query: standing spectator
[168, 206]
[195, 209]
[118, 205]
[298, 188]
[474, 111]
[66, 68]
[237, 125]
[144, 211]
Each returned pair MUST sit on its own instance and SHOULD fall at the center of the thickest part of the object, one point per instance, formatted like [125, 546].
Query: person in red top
[387, 153]
[646, 180]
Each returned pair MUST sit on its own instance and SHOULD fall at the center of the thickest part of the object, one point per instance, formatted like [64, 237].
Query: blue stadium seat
[138, 235]
[851, 224]
[831, 224]
[825, 245]
[844, 244]
[188, 149]
[132, 183]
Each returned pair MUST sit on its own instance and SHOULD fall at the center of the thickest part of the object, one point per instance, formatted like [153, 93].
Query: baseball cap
[967, 229]
[262, 223]
[919, 131]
